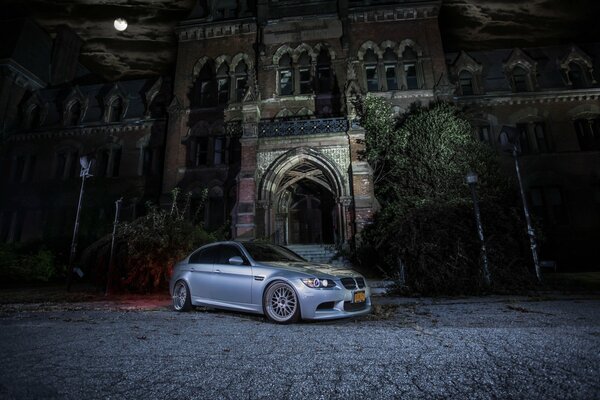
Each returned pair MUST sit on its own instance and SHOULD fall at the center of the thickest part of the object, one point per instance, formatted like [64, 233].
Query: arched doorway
[300, 194]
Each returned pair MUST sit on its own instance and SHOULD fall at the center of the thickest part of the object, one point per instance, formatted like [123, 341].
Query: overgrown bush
[147, 248]
[425, 232]
[18, 265]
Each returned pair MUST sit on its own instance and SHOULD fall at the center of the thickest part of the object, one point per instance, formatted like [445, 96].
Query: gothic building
[261, 113]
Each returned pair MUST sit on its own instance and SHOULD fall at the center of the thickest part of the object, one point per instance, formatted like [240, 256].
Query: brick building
[261, 114]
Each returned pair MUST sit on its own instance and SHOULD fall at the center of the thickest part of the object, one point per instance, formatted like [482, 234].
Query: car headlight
[317, 283]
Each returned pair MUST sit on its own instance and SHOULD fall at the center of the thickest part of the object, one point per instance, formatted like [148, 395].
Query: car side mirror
[236, 260]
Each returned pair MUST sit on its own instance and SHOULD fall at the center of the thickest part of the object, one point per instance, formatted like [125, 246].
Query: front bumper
[332, 303]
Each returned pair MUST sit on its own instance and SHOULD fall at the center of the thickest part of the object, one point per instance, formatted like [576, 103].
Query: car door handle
[218, 271]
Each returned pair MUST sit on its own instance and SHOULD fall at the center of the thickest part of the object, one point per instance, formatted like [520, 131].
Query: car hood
[318, 270]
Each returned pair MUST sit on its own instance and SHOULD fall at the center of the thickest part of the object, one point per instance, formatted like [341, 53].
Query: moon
[120, 24]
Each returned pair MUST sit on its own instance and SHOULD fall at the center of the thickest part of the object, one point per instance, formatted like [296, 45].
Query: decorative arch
[284, 113]
[301, 48]
[285, 49]
[198, 66]
[322, 45]
[389, 44]
[412, 44]
[241, 57]
[303, 112]
[366, 46]
[222, 59]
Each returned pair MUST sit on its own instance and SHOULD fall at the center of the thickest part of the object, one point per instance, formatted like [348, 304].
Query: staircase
[319, 253]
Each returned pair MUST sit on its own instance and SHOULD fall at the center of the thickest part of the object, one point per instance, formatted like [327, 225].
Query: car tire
[182, 299]
[281, 304]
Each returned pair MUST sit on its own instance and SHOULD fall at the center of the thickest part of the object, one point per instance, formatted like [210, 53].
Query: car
[267, 279]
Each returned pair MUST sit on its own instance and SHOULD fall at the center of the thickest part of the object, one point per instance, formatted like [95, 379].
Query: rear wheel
[182, 300]
[280, 303]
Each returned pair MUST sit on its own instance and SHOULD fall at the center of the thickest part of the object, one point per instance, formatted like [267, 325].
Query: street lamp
[86, 164]
[509, 141]
[471, 179]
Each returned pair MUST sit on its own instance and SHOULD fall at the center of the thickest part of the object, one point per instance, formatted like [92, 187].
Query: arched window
[519, 78]
[116, 110]
[304, 75]
[465, 82]
[409, 58]
[35, 116]
[223, 84]
[370, 61]
[389, 64]
[577, 76]
[286, 77]
[324, 80]
[241, 80]
[74, 113]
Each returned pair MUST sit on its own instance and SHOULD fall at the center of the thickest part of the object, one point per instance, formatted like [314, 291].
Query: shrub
[18, 265]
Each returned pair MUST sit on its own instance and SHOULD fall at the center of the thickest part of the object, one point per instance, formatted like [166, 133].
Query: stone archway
[301, 194]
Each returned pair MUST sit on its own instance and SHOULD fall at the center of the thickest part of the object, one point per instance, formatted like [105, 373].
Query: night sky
[148, 46]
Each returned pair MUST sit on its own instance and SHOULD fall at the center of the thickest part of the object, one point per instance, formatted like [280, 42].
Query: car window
[204, 256]
[268, 252]
[225, 252]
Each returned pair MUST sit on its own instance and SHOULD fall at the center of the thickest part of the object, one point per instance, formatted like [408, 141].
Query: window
[74, 165]
[203, 92]
[225, 252]
[410, 68]
[35, 117]
[390, 61]
[577, 76]
[241, 80]
[547, 204]
[74, 114]
[304, 74]
[523, 130]
[61, 164]
[371, 71]
[286, 78]
[109, 162]
[541, 139]
[465, 81]
[519, 77]
[116, 110]
[588, 133]
[147, 160]
[324, 72]
[223, 84]
[484, 133]
[218, 150]
[235, 151]
[204, 256]
[200, 151]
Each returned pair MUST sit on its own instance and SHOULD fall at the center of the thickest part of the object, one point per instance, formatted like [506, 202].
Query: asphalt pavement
[476, 348]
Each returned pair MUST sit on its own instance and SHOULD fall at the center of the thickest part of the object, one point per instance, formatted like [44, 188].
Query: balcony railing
[302, 127]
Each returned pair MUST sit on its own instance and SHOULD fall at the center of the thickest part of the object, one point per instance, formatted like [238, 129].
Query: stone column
[363, 193]
[245, 227]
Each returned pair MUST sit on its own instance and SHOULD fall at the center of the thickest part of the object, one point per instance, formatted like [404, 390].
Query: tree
[426, 220]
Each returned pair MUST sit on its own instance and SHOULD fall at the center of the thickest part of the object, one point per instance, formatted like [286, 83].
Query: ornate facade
[261, 113]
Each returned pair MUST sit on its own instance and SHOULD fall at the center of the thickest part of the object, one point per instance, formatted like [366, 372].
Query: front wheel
[182, 300]
[280, 303]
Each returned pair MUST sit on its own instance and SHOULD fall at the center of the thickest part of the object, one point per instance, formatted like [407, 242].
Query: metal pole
[70, 269]
[486, 271]
[530, 231]
[112, 248]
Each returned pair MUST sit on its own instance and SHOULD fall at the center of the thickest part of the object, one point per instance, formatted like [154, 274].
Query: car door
[201, 270]
[231, 283]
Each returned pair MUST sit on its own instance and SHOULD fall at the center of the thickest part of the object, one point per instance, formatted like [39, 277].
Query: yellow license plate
[360, 297]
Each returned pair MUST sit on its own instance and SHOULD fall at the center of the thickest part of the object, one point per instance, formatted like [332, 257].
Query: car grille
[349, 283]
[353, 283]
[350, 306]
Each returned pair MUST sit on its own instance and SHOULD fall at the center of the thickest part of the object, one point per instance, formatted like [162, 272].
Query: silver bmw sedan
[267, 279]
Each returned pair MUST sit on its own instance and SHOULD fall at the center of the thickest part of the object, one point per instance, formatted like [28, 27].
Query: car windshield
[267, 252]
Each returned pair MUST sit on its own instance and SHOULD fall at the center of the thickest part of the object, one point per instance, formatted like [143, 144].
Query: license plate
[359, 297]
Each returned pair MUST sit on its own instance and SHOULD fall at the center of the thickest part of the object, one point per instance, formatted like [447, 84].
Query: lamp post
[84, 173]
[471, 179]
[509, 140]
[112, 248]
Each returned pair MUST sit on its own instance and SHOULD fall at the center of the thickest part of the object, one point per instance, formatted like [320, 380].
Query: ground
[476, 348]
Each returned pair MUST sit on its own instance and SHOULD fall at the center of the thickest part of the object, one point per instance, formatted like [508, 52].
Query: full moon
[120, 24]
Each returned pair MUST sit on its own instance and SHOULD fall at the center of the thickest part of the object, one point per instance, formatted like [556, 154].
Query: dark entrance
[310, 214]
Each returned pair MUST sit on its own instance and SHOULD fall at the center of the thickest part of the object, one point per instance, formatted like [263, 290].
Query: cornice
[209, 30]
[82, 131]
[552, 96]
[410, 11]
